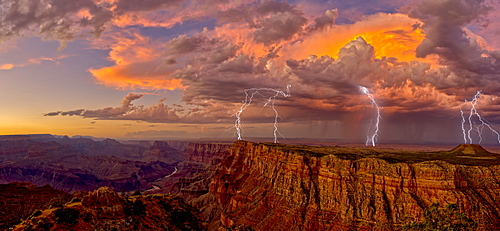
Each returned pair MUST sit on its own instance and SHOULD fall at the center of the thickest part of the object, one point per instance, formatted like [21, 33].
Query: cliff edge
[282, 187]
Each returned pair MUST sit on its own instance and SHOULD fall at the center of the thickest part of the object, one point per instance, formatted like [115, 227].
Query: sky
[178, 69]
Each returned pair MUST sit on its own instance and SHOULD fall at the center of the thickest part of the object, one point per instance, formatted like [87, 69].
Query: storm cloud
[421, 62]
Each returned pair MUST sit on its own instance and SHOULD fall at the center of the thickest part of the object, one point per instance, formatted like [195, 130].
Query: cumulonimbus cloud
[421, 62]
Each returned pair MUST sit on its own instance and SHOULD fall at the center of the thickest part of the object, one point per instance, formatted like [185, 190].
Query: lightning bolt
[249, 95]
[371, 139]
[479, 128]
[463, 121]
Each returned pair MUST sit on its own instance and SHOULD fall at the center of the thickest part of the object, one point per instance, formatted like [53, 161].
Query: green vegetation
[448, 218]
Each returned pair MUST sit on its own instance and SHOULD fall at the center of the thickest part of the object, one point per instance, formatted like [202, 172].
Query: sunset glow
[178, 69]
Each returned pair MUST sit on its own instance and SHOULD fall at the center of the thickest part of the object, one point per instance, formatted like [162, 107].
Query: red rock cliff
[270, 187]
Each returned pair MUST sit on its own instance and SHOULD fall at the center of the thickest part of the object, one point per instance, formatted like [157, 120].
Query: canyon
[266, 186]
[82, 164]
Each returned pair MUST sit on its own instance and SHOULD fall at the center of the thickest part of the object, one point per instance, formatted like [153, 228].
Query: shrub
[66, 215]
[448, 218]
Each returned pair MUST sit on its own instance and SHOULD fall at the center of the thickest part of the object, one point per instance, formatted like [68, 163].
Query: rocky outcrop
[161, 151]
[470, 149]
[279, 187]
[104, 209]
[20, 199]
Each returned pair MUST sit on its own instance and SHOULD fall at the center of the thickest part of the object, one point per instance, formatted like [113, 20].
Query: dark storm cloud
[144, 5]
[64, 20]
[215, 70]
[53, 19]
[277, 21]
[184, 44]
[240, 64]
[72, 113]
[279, 26]
[273, 21]
[326, 20]
[334, 84]
[199, 48]
[53, 113]
[444, 22]
[126, 111]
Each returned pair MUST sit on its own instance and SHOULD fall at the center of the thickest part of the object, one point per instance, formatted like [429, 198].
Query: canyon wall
[271, 187]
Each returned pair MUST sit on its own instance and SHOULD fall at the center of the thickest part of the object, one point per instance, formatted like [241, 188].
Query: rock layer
[272, 187]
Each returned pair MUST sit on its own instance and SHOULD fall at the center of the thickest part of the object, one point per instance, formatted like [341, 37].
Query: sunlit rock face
[275, 187]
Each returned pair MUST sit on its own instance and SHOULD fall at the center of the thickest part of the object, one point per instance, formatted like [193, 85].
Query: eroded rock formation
[104, 209]
[276, 187]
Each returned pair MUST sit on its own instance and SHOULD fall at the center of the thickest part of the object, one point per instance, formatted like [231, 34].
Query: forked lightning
[249, 95]
[473, 111]
[371, 139]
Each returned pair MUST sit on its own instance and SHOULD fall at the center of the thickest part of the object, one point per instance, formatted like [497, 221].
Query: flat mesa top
[463, 154]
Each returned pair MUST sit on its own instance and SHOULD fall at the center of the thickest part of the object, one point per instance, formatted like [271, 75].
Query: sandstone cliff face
[269, 187]
[207, 153]
[104, 209]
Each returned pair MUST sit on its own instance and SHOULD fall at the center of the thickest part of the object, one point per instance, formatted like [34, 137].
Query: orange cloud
[138, 64]
[392, 35]
[32, 61]
[7, 66]
[412, 98]
[120, 77]
[241, 34]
